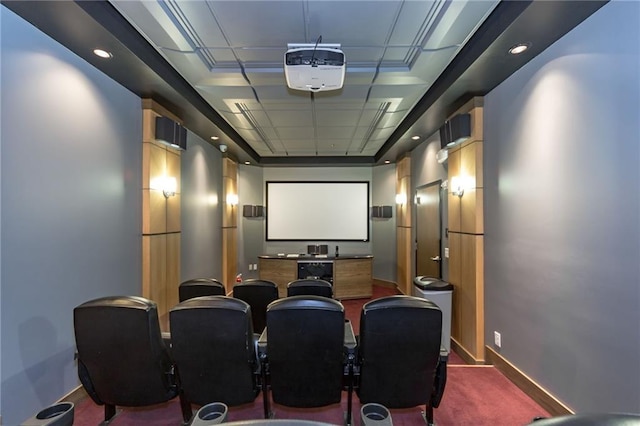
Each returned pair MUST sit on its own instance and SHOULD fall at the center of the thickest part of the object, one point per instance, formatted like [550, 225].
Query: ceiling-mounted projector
[314, 67]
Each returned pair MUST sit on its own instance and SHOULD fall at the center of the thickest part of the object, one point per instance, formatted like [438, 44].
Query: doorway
[428, 230]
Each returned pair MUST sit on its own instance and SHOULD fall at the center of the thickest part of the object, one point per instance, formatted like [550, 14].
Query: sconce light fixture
[167, 184]
[458, 184]
[232, 199]
[401, 198]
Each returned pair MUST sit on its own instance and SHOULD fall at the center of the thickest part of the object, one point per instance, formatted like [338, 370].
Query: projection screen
[317, 211]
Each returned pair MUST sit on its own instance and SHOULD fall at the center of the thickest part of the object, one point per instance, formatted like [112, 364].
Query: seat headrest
[133, 302]
[306, 302]
[307, 282]
[256, 283]
[399, 301]
[206, 302]
[201, 281]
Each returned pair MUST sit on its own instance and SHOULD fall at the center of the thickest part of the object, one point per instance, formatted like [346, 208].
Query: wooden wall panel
[154, 272]
[467, 296]
[404, 243]
[466, 243]
[229, 257]
[455, 279]
[160, 215]
[404, 275]
[471, 211]
[229, 223]
[173, 269]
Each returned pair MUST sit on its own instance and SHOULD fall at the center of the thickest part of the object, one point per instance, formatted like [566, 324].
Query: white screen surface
[320, 211]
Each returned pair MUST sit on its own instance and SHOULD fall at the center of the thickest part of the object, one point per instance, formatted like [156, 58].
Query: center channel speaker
[317, 249]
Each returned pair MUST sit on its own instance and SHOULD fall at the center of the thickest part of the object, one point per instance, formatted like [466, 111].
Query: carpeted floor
[474, 395]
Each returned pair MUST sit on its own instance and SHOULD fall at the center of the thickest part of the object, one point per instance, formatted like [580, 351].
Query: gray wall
[250, 229]
[383, 231]
[562, 216]
[201, 210]
[71, 209]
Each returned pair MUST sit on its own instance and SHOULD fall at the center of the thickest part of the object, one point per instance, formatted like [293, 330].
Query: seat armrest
[166, 338]
[350, 342]
[262, 343]
[439, 383]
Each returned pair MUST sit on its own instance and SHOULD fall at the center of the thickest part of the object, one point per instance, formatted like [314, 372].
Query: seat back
[258, 294]
[200, 287]
[399, 351]
[305, 350]
[212, 343]
[310, 287]
[122, 359]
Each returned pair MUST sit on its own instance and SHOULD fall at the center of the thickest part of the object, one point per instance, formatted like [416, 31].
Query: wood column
[404, 278]
[160, 215]
[466, 239]
[229, 223]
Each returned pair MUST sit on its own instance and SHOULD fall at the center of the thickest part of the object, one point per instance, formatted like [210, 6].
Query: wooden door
[428, 231]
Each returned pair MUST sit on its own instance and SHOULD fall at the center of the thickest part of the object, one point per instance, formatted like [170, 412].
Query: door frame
[415, 240]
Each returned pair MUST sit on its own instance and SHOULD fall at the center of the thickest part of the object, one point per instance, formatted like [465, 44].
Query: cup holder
[210, 414]
[60, 414]
[375, 415]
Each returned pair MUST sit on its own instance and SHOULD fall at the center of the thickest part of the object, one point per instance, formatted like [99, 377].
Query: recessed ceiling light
[247, 162]
[102, 53]
[519, 48]
[215, 138]
[387, 161]
[415, 138]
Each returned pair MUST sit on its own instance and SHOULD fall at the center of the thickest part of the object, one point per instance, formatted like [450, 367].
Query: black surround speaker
[384, 212]
[171, 133]
[455, 130]
[252, 211]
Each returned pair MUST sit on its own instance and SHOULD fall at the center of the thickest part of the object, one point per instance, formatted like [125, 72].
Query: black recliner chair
[399, 359]
[213, 345]
[305, 354]
[122, 359]
[258, 294]
[200, 287]
[310, 287]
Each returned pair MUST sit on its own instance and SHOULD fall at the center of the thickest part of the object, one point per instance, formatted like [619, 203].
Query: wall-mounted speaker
[455, 130]
[252, 211]
[171, 133]
[384, 212]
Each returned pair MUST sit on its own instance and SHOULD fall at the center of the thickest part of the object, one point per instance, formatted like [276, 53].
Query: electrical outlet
[497, 339]
[251, 267]
[255, 266]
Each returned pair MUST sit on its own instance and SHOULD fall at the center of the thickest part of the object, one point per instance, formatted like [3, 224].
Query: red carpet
[474, 395]
[478, 396]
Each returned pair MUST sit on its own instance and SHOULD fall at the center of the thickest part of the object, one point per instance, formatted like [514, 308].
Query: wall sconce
[460, 183]
[232, 199]
[167, 184]
[456, 186]
[401, 198]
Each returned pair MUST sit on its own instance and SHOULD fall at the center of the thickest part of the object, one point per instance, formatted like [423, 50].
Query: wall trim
[536, 392]
[465, 354]
[76, 396]
[384, 283]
